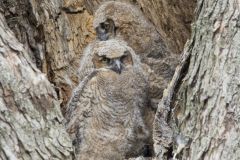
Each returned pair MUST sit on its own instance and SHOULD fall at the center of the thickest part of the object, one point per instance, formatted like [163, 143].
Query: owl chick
[124, 21]
[106, 114]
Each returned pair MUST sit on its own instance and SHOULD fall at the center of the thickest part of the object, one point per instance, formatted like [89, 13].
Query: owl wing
[86, 64]
[79, 109]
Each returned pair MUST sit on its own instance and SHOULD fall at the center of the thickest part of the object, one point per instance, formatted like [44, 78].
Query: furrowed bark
[55, 34]
[206, 110]
[30, 118]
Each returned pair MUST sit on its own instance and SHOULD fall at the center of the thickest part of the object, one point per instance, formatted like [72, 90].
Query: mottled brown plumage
[107, 112]
[121, 20]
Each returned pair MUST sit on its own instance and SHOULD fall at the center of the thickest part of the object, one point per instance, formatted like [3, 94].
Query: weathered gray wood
[206, 110]
[30, 118]
[53, 36]
[163, 126]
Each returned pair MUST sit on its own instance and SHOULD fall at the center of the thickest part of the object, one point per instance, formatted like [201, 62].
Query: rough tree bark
[30, 118]
[54, 34]
[206, 109]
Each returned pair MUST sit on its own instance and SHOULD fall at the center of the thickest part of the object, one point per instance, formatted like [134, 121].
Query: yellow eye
[105, 60]
[126, 58]
[106, 26]
[123, 58]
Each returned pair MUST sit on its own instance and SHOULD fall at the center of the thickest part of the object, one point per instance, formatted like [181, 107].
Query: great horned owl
[106, 114]
[124, 21]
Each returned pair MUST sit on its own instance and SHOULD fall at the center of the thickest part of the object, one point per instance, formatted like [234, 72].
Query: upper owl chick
[106, 114]
[125, 21]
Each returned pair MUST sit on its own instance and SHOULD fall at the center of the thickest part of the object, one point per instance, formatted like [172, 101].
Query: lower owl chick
[106, 114]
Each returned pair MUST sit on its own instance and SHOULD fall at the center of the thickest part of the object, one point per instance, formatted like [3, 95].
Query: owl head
[106, 30]
[114, 19]
[113, 55]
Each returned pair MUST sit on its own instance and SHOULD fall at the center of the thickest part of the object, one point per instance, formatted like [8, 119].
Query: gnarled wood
[207, 105]
[30, 118]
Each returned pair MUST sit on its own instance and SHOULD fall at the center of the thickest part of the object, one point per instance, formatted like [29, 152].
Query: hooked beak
[117, 66]
[103, 36]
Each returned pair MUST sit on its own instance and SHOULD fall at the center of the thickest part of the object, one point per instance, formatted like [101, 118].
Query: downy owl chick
[121, 20]
[106, 114]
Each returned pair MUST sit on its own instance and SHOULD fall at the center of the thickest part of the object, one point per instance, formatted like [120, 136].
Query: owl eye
[106, 26]
[105, 60]
[123, 58]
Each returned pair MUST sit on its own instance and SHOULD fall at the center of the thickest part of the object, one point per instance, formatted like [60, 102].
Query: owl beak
[102, 36]
[117, 66]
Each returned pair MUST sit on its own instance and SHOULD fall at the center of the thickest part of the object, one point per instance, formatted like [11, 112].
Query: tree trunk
[206, 110]
[30, 118]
